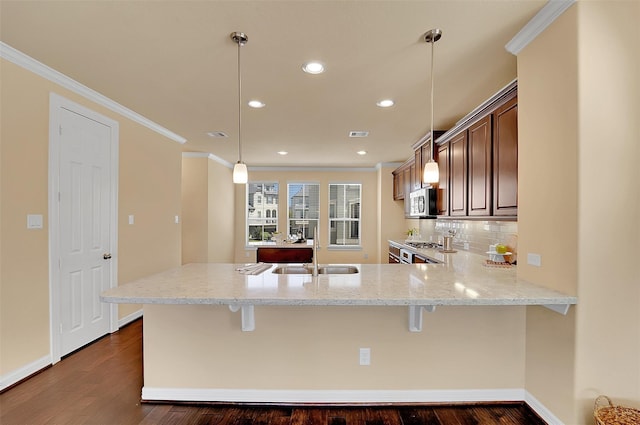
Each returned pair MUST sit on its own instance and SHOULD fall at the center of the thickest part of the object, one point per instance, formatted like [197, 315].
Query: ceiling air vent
[358, 133]
[217, 134]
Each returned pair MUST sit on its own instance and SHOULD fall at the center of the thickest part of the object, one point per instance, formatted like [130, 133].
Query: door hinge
[60, 130]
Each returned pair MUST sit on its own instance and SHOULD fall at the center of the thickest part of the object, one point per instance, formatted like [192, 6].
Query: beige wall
[195, 210]
[208, 211]
[314, 348]
[547, 210]
[608, 319]
[390, 213]
[374, 204]
[579, 186]
[149, 188]
[222, 216]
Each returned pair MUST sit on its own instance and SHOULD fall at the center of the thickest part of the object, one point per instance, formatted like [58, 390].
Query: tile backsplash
[477, 234]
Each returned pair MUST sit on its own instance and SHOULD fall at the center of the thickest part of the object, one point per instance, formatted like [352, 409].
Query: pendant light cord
[433, 42]
[240, 43]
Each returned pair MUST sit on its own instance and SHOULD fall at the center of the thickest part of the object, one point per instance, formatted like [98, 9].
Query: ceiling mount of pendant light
[431, 171]
[240, 174]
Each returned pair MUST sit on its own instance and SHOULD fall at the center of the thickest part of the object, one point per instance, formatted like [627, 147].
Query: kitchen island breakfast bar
[336, 338]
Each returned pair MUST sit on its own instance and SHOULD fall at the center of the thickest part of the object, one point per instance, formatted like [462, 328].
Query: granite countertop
[461, 279]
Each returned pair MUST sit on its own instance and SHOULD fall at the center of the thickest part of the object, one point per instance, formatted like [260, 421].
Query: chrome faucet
[316, 245]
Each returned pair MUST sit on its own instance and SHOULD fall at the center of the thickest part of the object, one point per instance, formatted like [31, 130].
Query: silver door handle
[106, 256]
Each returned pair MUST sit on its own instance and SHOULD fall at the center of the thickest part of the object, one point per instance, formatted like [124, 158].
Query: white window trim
[334, 247]
[254, 246]
[319, 201]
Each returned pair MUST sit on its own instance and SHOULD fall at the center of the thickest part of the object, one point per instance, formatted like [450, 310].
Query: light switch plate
[365, 356]
[534, 259]
[34, 221]
[131, 219]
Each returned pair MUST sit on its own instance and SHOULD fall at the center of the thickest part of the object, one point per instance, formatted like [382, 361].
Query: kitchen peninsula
[307, 331]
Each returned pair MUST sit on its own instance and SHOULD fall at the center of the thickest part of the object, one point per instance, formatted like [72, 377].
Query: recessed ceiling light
[256, 104]
[313, 68]
[358, 133]
[385, 103]
[362, 152]
[282, 152]
[217, 134]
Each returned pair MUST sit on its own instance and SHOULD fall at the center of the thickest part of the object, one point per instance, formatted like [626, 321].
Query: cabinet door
[419, 165]
[480, 183]
[458, 175]
[408, 182]
[505, 159]
[398, 185]
[443, 184]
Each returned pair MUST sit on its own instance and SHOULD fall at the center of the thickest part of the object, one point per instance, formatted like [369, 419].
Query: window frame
[268, 218]
[357, 220]
[289, 218]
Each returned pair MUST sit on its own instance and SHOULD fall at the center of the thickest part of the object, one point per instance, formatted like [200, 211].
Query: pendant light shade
[240, 174]
[431, 171]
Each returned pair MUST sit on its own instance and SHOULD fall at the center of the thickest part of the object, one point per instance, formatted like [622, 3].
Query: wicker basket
[607, 414]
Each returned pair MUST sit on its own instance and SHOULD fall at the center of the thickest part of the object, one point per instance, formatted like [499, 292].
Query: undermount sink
[337, 270]
[292, 270]
[334, 269]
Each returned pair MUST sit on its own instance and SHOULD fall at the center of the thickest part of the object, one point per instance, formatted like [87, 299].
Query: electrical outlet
[131, 219]
[365, 356]
[366, 256]
[176, 219]
[466, 246]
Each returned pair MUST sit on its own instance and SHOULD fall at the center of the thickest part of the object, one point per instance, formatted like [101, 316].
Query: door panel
[84, 205]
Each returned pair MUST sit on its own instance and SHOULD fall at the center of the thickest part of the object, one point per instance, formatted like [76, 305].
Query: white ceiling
[174, 63]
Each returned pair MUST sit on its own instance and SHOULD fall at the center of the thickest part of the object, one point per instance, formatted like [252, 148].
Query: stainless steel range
[423, 245]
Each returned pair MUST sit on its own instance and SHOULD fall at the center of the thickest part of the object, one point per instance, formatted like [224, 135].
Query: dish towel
[254, 269]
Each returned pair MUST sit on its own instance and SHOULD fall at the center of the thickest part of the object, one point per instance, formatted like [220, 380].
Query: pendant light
[240, 175]
[431, 171]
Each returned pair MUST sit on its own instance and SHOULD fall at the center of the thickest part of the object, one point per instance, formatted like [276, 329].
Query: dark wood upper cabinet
[505, 159]
[398, 185]
[443, 186]
[409, 171]
[480, 159]
[458, 175]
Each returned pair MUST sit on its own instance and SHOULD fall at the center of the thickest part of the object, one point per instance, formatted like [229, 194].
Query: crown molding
[27, 62]
[227, 164]
[208, 156]
[321, 169]
[537, 24]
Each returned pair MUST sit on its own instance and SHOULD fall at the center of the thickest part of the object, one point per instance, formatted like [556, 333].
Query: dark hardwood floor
[100, 384]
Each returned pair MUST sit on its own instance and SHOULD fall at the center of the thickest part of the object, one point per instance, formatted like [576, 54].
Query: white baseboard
[26, 370]
[129, 318]
[330, 396]
[541, 409]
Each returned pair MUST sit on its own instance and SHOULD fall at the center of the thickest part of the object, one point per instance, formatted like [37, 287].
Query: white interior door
[85, 194]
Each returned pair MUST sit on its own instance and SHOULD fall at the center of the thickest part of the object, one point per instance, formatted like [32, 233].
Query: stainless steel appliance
[406, 256]
[422, 203]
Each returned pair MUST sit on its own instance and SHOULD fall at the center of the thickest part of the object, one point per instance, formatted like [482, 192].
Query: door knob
[106, 256]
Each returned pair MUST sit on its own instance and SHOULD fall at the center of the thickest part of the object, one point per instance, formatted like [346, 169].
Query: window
[304, 209]
[344, 214]
[262, 207]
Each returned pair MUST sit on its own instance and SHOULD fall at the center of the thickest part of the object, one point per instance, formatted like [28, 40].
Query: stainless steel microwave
[423, 203]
